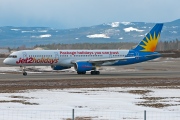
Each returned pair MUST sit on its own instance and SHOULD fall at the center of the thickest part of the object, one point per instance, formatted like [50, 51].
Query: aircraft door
[137, 55]
[24, 55]
[110, 55]
[56, 55]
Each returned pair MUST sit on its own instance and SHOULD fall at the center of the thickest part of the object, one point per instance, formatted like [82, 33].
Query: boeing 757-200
[88, 60]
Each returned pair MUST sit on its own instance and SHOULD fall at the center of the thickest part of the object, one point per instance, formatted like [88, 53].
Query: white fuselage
[60, 57]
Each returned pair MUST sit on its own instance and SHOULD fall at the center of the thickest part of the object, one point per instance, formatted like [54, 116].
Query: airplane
[88, 60]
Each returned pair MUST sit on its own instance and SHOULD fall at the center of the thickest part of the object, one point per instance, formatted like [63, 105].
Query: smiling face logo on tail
[149, 43]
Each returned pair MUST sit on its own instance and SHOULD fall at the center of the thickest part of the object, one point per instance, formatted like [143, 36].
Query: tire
[95, 72]
[24, 73]
[81, 72]
[92, 72]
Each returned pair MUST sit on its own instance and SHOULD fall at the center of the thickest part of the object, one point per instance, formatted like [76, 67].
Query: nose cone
[6, 61]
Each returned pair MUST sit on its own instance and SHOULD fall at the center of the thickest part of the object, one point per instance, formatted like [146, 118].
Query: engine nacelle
[83, 66]
[58, 67]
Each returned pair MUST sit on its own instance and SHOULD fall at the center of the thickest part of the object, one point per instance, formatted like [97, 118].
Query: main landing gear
[92, 73]
[81, 72]
[95, 72]
[23, 70]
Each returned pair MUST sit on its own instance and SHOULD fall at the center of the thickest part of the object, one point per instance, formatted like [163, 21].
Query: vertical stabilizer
[149, 43]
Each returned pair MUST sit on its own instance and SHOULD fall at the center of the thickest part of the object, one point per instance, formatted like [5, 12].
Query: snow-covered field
[92, 104]
[114, 103]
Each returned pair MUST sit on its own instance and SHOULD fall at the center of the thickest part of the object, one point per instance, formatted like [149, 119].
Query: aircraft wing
[167, 53]
[109, 59]
[104, 60]
[152, 55]
[158, 54]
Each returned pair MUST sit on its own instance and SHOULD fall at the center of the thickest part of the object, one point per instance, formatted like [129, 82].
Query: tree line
[162, 45]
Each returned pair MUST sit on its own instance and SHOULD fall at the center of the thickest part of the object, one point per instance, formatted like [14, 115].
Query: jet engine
[83, 66]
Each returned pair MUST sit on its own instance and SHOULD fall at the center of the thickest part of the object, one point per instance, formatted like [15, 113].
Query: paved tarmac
[103, 75]
[163, 72]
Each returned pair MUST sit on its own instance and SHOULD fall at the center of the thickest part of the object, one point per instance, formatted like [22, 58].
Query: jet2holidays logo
[37, 60]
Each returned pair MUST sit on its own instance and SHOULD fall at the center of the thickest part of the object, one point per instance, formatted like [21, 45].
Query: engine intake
[83, 66]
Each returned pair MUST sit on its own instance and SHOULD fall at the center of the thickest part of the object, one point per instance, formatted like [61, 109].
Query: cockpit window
[12, 56]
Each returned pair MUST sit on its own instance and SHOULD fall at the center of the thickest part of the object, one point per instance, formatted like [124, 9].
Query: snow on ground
[15, 29]
[129, 29]
[42, 30]
[95, 103]
[45, 36]
[9, 69]
[42, 36]
[121, 38]
[141, 35]
[98, 36]
[115, 24]
[26, 31]
[126, 23]
[173, 32]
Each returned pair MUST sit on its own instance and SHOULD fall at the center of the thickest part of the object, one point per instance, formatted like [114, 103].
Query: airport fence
[8, 114]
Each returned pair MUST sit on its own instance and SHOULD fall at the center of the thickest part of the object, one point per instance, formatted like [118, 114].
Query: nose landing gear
[24, 73]
[23, 70]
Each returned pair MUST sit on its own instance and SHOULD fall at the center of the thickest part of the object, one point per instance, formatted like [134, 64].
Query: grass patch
[18, 101]
[140, 92]
[81, 118]
[154, 105]
[78, 92]
[157, 102]
[22, 97]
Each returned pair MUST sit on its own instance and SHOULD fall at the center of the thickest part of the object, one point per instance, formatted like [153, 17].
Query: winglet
[149, 43]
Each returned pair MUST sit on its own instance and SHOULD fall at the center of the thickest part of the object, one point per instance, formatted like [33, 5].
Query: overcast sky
[65, 14]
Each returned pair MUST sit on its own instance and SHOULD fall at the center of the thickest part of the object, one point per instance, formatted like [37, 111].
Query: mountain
[105, 33]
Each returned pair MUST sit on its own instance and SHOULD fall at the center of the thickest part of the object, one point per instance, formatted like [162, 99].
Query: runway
[157, 73]
[103, 75]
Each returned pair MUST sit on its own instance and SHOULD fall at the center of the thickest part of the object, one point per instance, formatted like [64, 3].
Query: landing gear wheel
[92, 72]
[81, 72]
[95, 72]
[24, 73]
[23, 70]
